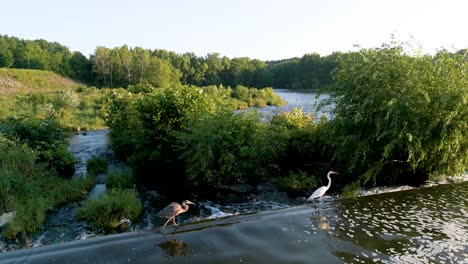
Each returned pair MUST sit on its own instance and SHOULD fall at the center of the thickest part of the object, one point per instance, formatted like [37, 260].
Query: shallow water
[425, 225]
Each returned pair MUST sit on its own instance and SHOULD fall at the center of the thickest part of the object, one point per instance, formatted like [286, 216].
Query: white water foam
[215, 212]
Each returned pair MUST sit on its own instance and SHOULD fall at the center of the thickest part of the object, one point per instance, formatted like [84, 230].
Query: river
[422, 225]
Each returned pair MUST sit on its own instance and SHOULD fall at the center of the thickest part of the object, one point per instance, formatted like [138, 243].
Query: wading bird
[172, 210]
[322, 190]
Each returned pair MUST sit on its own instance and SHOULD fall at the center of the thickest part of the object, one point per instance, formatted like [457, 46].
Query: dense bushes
[46, 137]
[30, 189]
[107, 211]
[397, 118]
[226, 148]
[400, 118]
[154, 130]
[297, 183]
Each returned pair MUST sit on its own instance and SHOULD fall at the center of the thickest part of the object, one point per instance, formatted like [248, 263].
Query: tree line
[124, 66]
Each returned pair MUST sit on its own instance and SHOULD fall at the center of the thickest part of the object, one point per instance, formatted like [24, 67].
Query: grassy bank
[42, 94]
[28, 187]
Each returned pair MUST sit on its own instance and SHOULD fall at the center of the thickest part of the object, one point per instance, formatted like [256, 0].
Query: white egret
[322, 190]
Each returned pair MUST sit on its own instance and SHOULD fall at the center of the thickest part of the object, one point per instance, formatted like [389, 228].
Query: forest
[123, 66]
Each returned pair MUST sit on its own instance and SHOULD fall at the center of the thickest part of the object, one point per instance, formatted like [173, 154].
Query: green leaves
[407, 108]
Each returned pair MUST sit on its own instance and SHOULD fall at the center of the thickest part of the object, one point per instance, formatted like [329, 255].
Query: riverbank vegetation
[109, 209]
[180, 122]
[30, 186]
[39, 110]
[398, 118]
[26, 94]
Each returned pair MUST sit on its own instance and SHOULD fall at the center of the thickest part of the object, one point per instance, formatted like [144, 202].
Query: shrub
[140, 88]
[226, 148]
[400, 118]
[351, 190]
[29, 218]
[107, 210]
[46, 137]
[96, 165]
[297, 183]
[120, 179]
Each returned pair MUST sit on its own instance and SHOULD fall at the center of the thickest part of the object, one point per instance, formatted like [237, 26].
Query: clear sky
[262, 29]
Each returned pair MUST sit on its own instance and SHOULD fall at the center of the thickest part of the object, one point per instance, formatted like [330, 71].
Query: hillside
[38, 94]
[14, 81]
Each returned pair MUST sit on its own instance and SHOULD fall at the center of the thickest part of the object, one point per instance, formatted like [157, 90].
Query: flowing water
[425, 225]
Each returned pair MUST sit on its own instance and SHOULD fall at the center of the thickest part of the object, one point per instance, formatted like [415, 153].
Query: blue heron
[172, 210]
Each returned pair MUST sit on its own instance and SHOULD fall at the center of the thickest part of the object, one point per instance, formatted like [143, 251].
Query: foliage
[399, 117]
[140, 88]
[351, 190]
[309, 72]
[44, 136]
[120, 179]
[142, 125]
[306, 142]
[96, 165]
[256, 97]
[124, 66]
[226, 148]
[107, 210]
[30, 189]
[298, 182]
[42, 95]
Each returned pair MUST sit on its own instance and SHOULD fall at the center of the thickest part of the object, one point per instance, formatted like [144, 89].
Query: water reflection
[320, 222]
[427, 226]
[173, 247]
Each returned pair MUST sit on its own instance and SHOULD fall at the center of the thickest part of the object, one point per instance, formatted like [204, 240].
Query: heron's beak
[189, 202]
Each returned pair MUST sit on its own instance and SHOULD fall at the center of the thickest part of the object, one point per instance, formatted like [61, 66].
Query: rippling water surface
[427, 225]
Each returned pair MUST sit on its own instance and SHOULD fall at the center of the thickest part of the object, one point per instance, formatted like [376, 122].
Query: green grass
[41, 94]
[30, 189]
[14, 81]
[120, 179]
[107, 210]
[96, 165]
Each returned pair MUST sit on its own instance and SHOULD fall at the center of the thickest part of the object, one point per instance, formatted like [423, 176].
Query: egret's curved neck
[329, 180]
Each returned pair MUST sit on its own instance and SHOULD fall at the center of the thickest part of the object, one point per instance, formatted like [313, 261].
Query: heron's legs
[164, 226]
[317, 206]
[173, 221]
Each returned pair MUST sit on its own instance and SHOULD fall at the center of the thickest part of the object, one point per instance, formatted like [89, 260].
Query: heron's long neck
[185, 207]
[329, 181]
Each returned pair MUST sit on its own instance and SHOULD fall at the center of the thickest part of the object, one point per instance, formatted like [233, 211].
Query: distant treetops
[123, 66]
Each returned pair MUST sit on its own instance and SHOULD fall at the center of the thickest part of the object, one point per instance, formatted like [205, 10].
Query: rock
[7, 217]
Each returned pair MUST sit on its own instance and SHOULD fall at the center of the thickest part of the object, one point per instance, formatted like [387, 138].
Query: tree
[142, 61]
[102, 63]
[6, 57]
[80, 67]
[400, 118]
[161, 73]
[126, 57]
